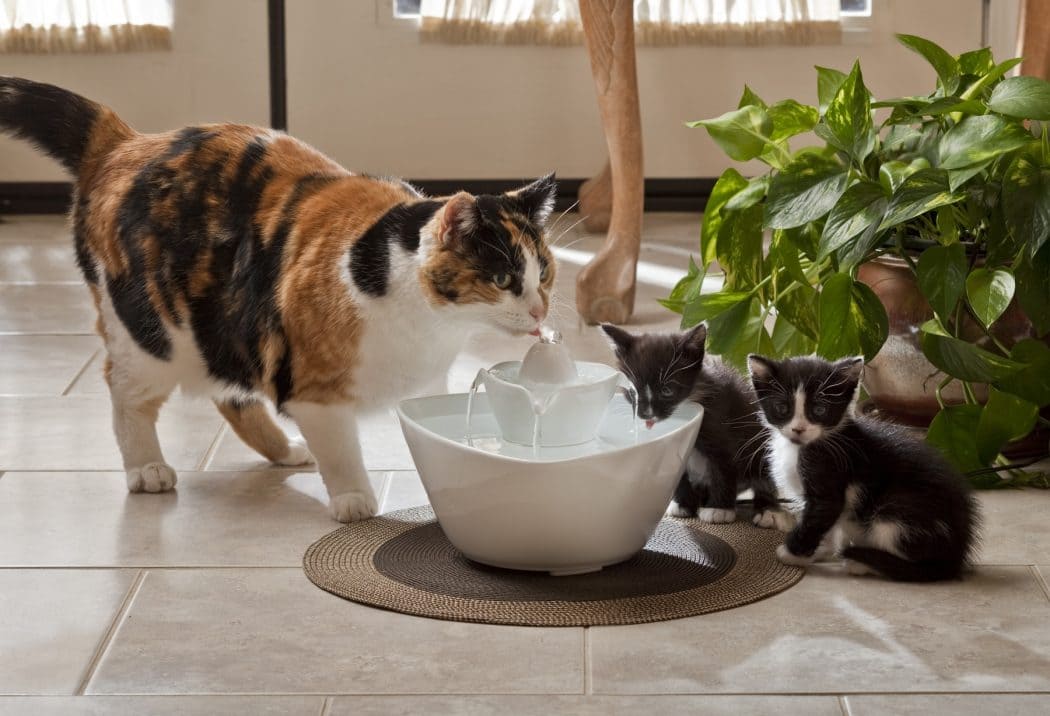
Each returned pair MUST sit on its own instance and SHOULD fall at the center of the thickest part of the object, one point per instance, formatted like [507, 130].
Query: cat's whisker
[561, 216]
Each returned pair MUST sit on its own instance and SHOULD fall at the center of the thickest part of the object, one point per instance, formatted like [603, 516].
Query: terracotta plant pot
[900, 381]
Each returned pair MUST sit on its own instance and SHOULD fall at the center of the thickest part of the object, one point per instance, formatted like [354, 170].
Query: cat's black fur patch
[896, 477]
[667, 369]
[56, 120]
[370, 254]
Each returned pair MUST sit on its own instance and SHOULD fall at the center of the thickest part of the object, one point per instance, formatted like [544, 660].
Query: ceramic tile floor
[193, 602]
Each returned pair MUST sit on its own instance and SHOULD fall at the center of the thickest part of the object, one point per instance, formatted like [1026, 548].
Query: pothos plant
[956, 183]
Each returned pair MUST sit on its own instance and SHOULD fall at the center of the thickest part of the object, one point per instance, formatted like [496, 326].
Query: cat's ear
[458, 218]
[695, 339]
[850, 368]
[536, 200]
[621, 339]
[760, 367]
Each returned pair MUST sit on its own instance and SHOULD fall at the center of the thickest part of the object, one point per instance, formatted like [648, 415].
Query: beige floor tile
[46, 308]
[161, 705]
[1015, 529]
[91, 381]
[954, 704]
[212, 519]
[29, 228]
[75, 433]
[404, 490]
[271, 631]
[43, 365]
[382, 444]
[51, 623]
[833, 633]
[586, 705]
[38, 262]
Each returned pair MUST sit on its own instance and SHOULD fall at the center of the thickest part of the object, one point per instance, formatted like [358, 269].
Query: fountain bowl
[563, 510]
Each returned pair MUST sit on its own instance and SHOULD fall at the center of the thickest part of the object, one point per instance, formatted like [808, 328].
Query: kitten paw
[297, 454]
[151, 477]
[716, 515]
[795, 560]
[676, 510]
[775, 519]
[353, 506]
[857, 569]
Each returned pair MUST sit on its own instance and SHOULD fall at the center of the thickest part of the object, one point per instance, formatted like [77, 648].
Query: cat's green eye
[502, 280]
[781, 408]
[820, 410]
[667, 392]
[545, 273]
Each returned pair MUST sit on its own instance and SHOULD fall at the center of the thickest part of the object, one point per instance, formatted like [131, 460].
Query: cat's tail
[902, 570]
[70, 128]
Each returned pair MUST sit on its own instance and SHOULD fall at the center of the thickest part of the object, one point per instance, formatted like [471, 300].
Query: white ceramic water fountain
[546, 470]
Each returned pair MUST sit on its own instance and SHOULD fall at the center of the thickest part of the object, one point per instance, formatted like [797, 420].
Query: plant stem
[937, 391]
[971, 397]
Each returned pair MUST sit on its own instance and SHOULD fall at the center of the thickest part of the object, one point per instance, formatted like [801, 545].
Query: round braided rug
[402, 561]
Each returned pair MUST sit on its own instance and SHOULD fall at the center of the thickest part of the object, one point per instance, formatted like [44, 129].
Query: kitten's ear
[760, 367]
[850, 368]
[621, 339]
[458, 218]
[695, 338]
[536, 200]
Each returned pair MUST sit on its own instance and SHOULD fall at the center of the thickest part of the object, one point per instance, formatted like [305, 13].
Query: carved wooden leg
[605, 288]
[596, 199]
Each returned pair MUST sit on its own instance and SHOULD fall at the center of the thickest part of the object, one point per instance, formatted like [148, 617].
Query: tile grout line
[588, 681]
[1040, 579]
[107, 637]
[844, 705]
[326, 706]
[384, 490]
[81, 372]
[213, 448]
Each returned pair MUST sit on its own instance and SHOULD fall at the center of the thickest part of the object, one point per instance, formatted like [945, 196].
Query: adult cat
[240, 263]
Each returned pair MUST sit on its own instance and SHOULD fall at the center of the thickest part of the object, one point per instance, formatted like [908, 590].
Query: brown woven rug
[403, 562]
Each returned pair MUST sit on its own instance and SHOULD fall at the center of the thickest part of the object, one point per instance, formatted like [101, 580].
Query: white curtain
[657, 22]
[46, 26]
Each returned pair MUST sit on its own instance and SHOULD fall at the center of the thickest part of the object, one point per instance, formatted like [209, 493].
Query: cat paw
[857, 569]
[353, 506]
[716, 515]
[676, 510]
[151, 477]
[297, 454]
[786, 556]
[775, 519]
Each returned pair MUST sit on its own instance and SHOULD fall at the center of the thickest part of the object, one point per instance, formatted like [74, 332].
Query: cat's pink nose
[798, 431]
[537, 312]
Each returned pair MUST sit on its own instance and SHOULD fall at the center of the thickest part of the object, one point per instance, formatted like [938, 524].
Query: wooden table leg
[605, 287]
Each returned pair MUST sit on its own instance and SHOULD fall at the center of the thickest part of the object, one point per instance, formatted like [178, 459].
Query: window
[853, 8]
[406, 8]
[45, 26]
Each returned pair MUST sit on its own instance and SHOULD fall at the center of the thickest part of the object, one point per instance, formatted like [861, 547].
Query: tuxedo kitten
[666, 370]
[887, 502]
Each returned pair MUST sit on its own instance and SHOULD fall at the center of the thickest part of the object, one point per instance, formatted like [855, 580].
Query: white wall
[378, 100]
[370, 94]
[217, 71]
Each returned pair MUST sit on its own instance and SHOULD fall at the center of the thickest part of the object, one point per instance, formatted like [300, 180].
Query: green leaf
[893, 173]
[947, 230]
[946, 66]
[1033, 289]
[803, 192]
[848, 116]
[1032, 381]
[976, 62]
[742, 133]
[791, 118]
[789, 341]
[1005, 418]
[750, 195]
[751, 337]
[1026, 200]
[686, 290]
[977, 139]
[749, 97]
[989, 292]
[953, 431]
[783, 253]
[942, 277]
[828, 83]
[862, 205]
[800, 308]
[710, 305]
[993, 76]
[1023, 97]
[963, 360]
[958, 177]
[924, 190]
[740, 248]
[852, 319]
[724, 189]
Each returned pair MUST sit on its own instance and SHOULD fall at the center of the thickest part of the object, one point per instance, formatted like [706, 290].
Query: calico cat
[669, 368]
[888, 502]
[240, 263]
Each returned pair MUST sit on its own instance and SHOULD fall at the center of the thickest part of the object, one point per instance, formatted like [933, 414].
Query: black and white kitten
[669, 368]
[869, 491]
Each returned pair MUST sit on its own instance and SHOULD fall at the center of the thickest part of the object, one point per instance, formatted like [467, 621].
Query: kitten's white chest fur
[783, 466]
